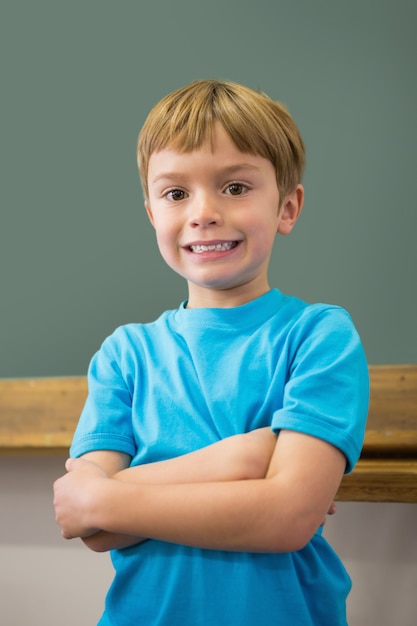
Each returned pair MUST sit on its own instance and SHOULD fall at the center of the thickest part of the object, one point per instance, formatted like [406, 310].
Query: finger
[69, 464]
[66, 535]
[72, 463]
[332, 509]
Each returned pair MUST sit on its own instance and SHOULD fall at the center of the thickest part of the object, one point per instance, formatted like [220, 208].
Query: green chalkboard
[77, 255]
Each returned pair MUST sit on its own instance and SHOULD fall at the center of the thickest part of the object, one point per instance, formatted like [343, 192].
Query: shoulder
[324, 318]
[126, 351]
[304, 319]
[325, 324]
[321, 336]
[135, 334]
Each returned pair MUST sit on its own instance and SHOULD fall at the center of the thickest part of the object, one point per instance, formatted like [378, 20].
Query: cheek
[263, 238]
[162, 228]
[263, 230]
[163, 238]
[167, 239]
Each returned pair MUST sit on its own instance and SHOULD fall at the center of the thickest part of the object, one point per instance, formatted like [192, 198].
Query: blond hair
[184, 120]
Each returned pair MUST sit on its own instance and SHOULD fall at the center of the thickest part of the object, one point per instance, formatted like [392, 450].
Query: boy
[214, 439]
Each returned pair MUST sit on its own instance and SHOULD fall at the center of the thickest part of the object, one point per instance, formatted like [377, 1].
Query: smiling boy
[214, 439]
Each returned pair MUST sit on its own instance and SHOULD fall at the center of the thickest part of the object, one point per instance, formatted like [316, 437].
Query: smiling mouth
[215, 247]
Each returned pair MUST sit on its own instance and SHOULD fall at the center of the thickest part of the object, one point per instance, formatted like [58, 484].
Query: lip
[209, 242]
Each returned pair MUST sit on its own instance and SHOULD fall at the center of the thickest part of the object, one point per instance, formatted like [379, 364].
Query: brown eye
[235, 189]
[176, 195]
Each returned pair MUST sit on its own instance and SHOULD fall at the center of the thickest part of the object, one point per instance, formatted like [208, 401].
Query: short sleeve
[106, 420]
[327, 391]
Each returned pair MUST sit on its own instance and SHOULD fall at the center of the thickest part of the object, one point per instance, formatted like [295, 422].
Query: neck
[222, 298]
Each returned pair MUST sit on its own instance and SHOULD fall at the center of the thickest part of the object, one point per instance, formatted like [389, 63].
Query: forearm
[238, 515]
[279, 513]
[238, 457]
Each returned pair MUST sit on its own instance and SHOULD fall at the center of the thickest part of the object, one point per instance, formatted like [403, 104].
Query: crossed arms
[252, 492]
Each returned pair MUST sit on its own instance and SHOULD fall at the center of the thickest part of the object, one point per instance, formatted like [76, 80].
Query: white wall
[45, 581]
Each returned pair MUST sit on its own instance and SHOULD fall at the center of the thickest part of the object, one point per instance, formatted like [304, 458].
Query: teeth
[215, 247]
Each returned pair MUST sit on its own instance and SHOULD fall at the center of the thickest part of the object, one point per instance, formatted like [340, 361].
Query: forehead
[218, 152]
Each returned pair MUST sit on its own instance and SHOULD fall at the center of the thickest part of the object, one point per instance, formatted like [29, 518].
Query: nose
[204, 210]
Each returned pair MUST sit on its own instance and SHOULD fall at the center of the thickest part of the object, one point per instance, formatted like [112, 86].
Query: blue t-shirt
[193, 377]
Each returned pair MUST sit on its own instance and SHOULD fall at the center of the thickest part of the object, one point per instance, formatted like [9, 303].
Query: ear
[149, 212]
[290, 210]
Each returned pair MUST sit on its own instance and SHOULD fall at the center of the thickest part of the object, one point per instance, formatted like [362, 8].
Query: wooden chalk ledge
[39, 416]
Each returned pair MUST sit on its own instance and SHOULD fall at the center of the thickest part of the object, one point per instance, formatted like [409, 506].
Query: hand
[331, 511]
[73, 497]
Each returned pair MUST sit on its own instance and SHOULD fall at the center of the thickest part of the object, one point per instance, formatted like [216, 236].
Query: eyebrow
[227, 171]
[240, 167]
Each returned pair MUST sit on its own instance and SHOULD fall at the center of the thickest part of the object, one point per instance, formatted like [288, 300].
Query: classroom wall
[78, 257]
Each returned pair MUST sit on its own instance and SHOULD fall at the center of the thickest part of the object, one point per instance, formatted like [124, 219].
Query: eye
[235, 189]
[176, 195]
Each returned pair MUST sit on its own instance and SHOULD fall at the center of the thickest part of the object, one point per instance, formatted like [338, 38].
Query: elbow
[96, 543]
[302, 527]
[295, 516]
[293, 542]
[297, 530]
[300, 539]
